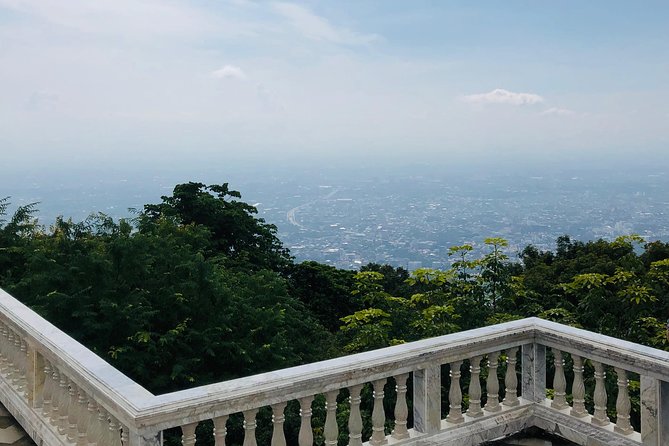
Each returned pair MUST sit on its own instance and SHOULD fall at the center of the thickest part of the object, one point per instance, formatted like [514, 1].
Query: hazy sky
[403, 78]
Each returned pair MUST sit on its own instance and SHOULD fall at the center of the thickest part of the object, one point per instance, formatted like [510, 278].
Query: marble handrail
[138, 417]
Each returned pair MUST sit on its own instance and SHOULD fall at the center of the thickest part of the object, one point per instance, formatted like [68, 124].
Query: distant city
[349, 219]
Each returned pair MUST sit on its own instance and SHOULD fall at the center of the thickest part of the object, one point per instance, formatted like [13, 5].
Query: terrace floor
[11, 433]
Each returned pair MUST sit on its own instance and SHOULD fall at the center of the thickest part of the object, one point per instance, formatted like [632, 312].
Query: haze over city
[406, 107]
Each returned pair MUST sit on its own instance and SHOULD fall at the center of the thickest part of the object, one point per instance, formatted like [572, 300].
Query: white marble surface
[533, 377]
[427, 400]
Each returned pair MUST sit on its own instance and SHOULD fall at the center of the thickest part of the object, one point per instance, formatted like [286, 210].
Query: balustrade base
[32, 422]
[578, 430]
[475, 431]
[491, 427]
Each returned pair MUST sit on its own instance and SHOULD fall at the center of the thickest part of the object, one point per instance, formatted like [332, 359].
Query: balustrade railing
[461, 388]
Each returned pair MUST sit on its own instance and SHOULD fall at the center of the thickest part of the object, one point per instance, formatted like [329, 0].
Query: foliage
[164, 299]
[241, 238]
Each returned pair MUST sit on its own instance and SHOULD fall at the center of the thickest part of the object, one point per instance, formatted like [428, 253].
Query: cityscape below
[403, 217]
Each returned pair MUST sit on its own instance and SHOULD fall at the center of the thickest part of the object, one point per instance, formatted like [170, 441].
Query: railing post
[492, 384]
[331, 430]
[600, 398]
[455, 395]
[145, 439]
[378, 415]
[654, 412]
[534, 372]
[578, 389]
[355, 419]
[401, 410]
[278, 418]
[559, 382]
[511, 380]
[34, 376]
[427, 399]
[474, 409]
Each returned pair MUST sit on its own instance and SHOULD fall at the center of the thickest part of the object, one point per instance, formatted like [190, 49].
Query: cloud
[555, 111]
[501, 96]
[318, 28]
[229, 72]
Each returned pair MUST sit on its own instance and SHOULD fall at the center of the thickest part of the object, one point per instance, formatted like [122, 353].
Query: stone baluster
[47, 390]
[600, 418]
[55, 396]
[22, 383]
[115, 431]
[11, 371]
[578, 389]
[474, 409]
[623, 405]
[7, 366]
[492, 384]
[455, 395]
[378, 415]
[82, 418]
[4, 361]
[11, 366]
[188, 434]
[559, 382]
[72, 420]
[220, 430]
[18, 363]
[511, 379]
[63, 404]
[331, 430]
[401, 410]
[35, 378]
[306, 435]
[94, 426]
[278, 418]
[103, 422]
[125, 436]
[250, 427]
[355, 418]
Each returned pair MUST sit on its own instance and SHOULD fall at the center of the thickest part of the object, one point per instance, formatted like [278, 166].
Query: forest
[197, 289]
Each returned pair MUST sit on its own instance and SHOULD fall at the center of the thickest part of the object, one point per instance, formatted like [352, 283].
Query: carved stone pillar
[623, 405]
[510, 379]
[455, 395]
[331, 430]
[355, 419]
[401, 410]
[306, 435]
[559, 382]
[600, 418]
[492, 384]
[474, 409]
[278, 435]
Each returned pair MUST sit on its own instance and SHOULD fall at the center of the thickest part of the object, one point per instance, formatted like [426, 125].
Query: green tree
[243, 239]
[324, 290]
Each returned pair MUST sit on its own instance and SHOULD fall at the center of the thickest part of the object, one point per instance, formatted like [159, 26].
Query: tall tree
[242, 238]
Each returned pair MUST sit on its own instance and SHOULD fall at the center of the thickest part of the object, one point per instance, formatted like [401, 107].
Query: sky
[133, 80]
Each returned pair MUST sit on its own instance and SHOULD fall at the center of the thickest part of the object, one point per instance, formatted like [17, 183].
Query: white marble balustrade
[599, 394]
[455, 390]
[398, 417]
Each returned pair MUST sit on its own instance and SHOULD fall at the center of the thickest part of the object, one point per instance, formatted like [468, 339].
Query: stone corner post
[427, 399]
[534, 372]
[654, 412]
